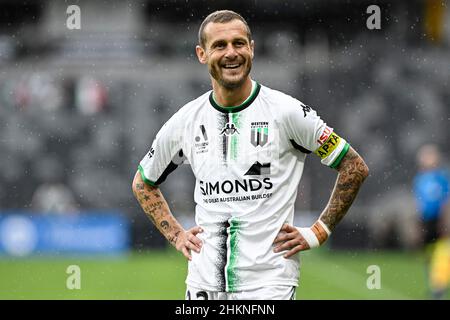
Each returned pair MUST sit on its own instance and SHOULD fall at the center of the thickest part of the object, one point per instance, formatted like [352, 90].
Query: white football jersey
[247, 161]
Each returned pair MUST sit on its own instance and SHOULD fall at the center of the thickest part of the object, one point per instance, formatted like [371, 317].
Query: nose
[230, 52]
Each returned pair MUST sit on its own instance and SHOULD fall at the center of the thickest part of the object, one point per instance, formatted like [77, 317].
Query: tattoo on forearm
[173, 239]
[176, 236]
[157, 210]
[352, 173]
[164, 224]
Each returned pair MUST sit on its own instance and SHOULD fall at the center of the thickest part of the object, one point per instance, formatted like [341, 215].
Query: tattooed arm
[352, 173]
[155, 207]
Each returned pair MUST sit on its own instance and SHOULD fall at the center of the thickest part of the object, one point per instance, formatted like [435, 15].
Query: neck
[232, 97]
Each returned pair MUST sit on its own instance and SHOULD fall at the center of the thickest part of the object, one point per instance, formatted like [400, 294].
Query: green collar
[240, 107]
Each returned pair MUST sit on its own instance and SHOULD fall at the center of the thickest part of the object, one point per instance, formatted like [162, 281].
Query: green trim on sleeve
[149, 182]
[341, 156]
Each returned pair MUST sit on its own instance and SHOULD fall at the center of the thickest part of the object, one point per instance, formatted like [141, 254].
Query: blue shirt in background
[431, 190]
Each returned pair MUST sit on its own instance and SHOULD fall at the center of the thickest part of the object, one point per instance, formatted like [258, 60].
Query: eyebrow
[224, 41]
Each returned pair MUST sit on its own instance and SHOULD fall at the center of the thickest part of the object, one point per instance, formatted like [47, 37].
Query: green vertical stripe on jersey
[232, 276]
[234, 148]
[341, 156]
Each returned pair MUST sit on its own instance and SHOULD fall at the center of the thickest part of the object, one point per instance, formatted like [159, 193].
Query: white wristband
[325, 227]
[309, 237]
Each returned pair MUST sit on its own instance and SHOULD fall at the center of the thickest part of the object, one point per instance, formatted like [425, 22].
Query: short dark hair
[221, 16]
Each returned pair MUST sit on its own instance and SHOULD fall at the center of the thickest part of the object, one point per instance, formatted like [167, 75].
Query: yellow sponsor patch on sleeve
[328, 146]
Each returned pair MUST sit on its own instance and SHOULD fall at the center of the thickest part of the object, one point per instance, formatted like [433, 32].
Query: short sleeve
[310, 134]
[165, 154]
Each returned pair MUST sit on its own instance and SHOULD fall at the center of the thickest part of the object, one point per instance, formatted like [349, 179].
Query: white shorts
[266, 293]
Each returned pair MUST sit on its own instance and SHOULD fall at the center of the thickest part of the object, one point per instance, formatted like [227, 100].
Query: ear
[252, 48]
[201, 54]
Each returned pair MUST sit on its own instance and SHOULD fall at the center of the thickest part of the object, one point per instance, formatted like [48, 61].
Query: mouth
[231, 66]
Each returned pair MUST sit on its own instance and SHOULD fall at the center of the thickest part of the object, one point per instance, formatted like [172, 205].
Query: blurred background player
[431, 190]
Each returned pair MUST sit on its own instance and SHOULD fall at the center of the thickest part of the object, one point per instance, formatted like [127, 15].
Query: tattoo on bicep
[140, 186]
[140, 198]
[151, 206]
[156, 205]
[346, 186]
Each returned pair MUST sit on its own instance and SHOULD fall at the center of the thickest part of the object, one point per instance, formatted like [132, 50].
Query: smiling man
[246, 144]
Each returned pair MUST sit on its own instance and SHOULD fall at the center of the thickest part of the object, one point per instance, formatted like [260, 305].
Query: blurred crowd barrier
[84, 233]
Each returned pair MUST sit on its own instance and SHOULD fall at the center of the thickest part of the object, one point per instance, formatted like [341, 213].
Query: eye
[218, 45]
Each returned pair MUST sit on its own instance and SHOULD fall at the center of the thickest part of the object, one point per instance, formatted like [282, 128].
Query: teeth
[231, 65]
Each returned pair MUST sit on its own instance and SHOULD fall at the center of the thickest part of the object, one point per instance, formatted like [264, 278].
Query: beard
[230, 82]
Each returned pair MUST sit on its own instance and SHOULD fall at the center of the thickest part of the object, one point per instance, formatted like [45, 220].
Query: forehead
[225, 31]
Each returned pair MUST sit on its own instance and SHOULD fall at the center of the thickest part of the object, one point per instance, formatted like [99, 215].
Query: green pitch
[160, 275]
